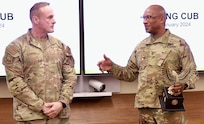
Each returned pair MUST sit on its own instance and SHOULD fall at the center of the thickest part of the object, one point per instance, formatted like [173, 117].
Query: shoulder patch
[13, 50]
[10, 54]
[8, 59]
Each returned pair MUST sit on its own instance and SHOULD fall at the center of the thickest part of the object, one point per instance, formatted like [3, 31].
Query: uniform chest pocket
[151, 57]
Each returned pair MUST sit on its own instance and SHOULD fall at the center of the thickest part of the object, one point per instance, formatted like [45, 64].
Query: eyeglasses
[148, 17]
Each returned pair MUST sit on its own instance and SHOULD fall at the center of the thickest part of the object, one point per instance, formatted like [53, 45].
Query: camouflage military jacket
[37, 74]
[147, 63]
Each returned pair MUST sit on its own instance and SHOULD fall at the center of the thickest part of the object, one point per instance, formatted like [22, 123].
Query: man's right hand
[106, 64]
[52, 109]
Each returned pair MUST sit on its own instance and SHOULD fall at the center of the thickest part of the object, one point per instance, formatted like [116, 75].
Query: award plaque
[169, 99]
[171, 102]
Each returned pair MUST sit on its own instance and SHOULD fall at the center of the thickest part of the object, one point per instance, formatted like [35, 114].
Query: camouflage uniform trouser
[157, 116]
[47, 121]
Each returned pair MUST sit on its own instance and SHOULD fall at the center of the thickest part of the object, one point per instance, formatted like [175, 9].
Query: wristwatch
[64, 105]
[185, 86]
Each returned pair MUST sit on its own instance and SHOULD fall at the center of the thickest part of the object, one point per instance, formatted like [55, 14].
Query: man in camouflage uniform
[149, 59]
[40, 72]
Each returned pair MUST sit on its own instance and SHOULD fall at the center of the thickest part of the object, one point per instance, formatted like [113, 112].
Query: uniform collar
[162, 40]
[35, 42]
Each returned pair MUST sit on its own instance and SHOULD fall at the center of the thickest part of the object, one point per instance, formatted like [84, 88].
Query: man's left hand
[54, 109]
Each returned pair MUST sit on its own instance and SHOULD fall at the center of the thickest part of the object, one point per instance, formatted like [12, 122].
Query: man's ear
[35, 19]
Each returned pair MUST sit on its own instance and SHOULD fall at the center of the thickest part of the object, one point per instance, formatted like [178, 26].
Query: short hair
[34, 9]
